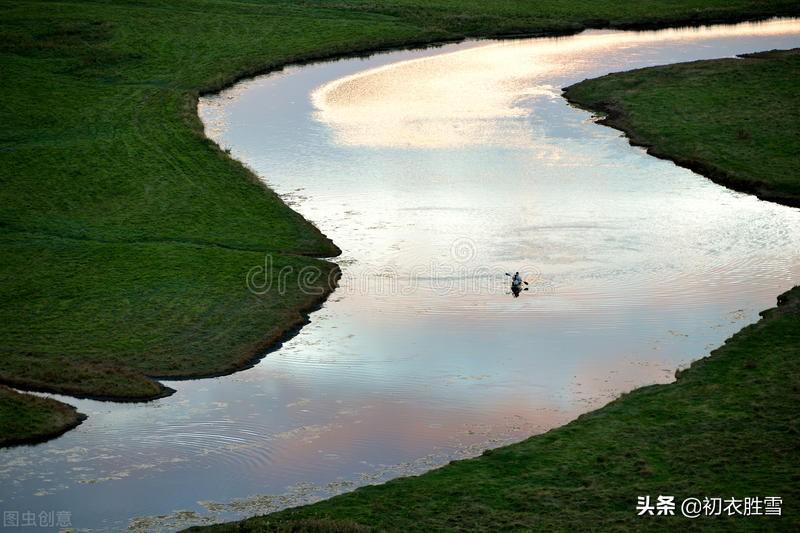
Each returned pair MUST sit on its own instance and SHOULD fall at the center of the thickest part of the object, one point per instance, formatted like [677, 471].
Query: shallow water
[436, 171]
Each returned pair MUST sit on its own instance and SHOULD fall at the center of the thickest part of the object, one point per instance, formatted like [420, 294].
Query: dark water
[436, 172]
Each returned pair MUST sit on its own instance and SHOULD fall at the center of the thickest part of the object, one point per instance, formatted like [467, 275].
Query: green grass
[183, 309]
[26, 419]
[127, 234]
[729, 426]
[736, 121]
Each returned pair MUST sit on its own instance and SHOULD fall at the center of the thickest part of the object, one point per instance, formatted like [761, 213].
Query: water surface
[436, 171]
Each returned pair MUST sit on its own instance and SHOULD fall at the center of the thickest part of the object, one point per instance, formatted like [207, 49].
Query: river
[437, 171]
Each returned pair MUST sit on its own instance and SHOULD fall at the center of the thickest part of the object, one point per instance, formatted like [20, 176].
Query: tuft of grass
[125, 233]
[736, 121]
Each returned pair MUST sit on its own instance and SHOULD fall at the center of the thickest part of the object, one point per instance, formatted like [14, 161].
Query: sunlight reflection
[475, 96]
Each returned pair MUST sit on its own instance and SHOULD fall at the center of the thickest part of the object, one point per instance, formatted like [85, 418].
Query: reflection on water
[436, 172]
[486, 95]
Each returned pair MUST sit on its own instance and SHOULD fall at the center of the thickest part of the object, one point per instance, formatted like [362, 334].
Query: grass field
[127, 234]
[736, 121]
[728, 427]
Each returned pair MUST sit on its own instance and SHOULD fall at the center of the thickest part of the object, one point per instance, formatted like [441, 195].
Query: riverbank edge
[72, 419]
[194, 123]
[613, 115]
[273, 341]
[250, 357]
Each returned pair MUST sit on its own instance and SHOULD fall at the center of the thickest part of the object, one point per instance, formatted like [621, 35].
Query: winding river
[436, 171]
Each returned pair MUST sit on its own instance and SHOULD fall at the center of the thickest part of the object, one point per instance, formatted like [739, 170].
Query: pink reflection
[408, 429]
[472, 97]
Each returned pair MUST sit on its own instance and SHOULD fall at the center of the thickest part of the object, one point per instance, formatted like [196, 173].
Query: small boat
[517, 288]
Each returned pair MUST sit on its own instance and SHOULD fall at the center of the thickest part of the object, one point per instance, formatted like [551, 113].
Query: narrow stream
[437, 171]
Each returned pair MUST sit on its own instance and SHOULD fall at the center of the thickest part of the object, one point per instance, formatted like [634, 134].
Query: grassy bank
[27, 419]
[729, 426]
[126, 234]
[182, 309]
[736, 121]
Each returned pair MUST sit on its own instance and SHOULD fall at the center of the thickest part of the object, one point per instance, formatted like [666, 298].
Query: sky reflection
[452, 162]
[481, 96]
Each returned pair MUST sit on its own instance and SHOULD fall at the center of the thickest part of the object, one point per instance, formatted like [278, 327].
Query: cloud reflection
[483, 95]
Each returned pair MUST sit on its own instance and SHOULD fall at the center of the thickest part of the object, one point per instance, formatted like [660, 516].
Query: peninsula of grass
[28, 419]
[735, 120]
[127, 235]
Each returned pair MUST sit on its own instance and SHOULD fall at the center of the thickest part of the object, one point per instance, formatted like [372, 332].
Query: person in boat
[516, 280]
